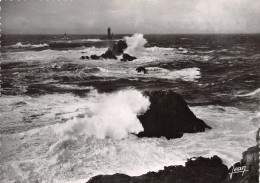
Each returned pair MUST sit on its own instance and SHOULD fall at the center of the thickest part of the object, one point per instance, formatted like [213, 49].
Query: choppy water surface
[56, 109]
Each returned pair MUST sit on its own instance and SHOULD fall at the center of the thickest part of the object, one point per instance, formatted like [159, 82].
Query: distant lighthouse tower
[109, 33]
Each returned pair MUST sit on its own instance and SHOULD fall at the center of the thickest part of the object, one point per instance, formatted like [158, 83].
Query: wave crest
[20, 45]
[114, 116]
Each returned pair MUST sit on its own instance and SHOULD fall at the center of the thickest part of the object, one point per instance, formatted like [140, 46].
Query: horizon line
[134, 33]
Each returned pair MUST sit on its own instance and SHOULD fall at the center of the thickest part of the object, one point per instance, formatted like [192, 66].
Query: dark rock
[82, 57]
[118, 48]
[6, 85]
[169, 116]
[200, 170]
[141, 69]
[108, 55]
[116, 178]
[94, 57]
[250, 159]
[127, 57]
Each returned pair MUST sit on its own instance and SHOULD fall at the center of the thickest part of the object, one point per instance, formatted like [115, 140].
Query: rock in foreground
[203, 170]
[200, 170]
[250, 160]
[169, 116]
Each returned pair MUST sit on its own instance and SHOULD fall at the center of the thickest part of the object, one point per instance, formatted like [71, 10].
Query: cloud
[131, 16]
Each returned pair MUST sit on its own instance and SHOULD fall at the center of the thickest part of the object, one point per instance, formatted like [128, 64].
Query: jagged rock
[94, 57]
[169, 116]
[141, 69]
[108, 55]
[127, 57]
[250, 159]
[118, 48]
[200, 170]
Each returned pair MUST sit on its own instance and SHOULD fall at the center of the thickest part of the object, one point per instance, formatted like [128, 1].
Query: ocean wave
[155, 48]
[255, 93]
[114, 116]
[188, 74]
[20, 45]
[83, 156]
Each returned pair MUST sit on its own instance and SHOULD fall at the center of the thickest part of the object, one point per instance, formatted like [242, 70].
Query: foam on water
[20, 45]
[41, 155]
[255, 93]
[135, 44]
[114, 116]
[188, 74]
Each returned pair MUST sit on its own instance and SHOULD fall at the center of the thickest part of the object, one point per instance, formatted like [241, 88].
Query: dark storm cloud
[130, 16]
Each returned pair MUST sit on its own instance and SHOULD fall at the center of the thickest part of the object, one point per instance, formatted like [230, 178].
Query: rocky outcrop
[119, 47]
[94, 57]
[169, 116]
[141, 69]
[127, 57]
[115, 50]
[250, 162]
[108, 55]
[196, 170]
[201, 170]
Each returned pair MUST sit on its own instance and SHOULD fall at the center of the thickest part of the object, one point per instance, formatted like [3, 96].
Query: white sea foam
[20, 45]
[135, 44]
[48, 157]
[115, 116]
[255, 93]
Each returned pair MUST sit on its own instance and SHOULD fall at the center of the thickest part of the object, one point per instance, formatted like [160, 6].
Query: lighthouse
[109, 33]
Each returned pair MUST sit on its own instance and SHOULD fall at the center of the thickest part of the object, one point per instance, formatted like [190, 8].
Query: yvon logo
[241, 169]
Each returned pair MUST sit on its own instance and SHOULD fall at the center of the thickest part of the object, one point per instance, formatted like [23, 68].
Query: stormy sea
[66, 119]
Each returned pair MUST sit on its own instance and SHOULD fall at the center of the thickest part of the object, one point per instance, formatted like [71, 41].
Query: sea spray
[113, 115]
[135, 44]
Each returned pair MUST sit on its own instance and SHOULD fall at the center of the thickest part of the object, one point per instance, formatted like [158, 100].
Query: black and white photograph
[129, 91]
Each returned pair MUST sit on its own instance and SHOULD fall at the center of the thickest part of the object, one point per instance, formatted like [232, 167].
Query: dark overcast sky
[130, 16]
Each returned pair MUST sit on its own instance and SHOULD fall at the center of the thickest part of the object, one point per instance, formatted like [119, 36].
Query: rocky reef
[196, 170]
[113, 51]
[169, 116]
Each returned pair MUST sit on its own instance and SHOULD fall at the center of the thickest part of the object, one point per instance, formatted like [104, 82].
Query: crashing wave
[20, 45]
[114, 116]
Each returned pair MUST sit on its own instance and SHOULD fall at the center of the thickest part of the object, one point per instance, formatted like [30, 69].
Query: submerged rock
[127, 57]
[200, 170]
[169, 116]
[108, 55]
[141, 69]
[84, 57]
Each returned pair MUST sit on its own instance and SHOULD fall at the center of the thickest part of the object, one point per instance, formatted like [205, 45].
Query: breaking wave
[114, 116]
[20, 45]
[188, 74]
[135, 44]
[255, 93]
